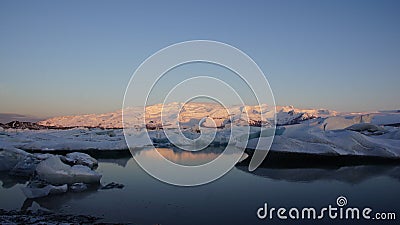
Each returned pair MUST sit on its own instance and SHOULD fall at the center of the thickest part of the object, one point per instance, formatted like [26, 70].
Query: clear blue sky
[72, 57]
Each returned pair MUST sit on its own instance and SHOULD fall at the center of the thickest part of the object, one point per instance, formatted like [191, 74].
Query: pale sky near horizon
[75, 57]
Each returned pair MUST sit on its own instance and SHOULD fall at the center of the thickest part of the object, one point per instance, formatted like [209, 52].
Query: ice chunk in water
[79, 158]
[54, 171]
[9, 157]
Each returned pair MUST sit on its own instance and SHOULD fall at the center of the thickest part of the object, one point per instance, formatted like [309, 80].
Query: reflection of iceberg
[215, 150]
[39, 192]
[123, 161]
[55, 202]
[348, 174]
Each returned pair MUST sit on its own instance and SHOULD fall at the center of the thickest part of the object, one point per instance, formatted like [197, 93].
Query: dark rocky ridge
[36, 126]
[22, 125]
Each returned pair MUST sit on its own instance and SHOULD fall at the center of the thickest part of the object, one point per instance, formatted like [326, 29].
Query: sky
[75, 57]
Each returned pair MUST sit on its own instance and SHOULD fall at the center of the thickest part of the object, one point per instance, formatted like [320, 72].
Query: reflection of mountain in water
[183, 157]
[215, 150]
[347, 174]
[187, 158]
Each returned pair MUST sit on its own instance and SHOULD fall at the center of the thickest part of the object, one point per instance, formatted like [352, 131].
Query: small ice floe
[79, 158]
[54, 171]
[42, 156]
[78, 187]
[38, 189]
[113, 185]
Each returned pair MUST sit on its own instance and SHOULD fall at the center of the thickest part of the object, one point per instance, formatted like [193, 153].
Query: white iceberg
[54, 171]
[303, 138]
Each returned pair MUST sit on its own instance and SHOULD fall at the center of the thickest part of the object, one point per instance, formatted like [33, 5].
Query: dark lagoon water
[232, 199]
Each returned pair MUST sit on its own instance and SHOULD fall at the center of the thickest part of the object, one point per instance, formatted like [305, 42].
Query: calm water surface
[233, 199]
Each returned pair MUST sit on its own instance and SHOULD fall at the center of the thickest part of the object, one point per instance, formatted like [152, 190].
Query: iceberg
[54, 171]
[78, 187]
[303, 138]
[10, 157]
[25, 167]
[112, 185]
[79, 158]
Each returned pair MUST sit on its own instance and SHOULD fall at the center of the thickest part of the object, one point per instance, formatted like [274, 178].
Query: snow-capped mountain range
[189, 114]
